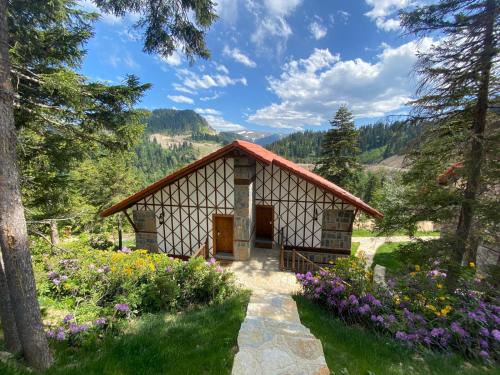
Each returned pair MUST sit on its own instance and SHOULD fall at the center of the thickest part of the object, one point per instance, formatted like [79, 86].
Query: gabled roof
[262, 155]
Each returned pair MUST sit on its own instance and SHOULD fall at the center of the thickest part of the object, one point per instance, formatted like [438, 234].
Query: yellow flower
[128, 270]
[472, 264]
[442, 298]
[417, 268]
[413, 273]
[406, 298]
[396, 300]
[431, 307]
[439, 286]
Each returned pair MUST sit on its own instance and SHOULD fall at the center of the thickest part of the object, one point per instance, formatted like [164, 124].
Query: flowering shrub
[414, 308]
[102, 287]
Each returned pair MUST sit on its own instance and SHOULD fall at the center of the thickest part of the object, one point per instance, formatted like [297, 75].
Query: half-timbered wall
[299, 207]
[184, 209]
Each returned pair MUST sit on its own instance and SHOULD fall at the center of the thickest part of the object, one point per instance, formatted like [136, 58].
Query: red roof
[262, 155]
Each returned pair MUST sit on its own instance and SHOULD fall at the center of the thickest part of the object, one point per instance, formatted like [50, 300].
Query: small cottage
[239, 198]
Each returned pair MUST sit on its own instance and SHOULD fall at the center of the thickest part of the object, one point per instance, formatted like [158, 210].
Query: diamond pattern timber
[184, 208]
[298, 204]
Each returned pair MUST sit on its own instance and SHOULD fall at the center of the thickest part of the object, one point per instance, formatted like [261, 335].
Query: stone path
[272, 341]
[261, 272]
[369, 245]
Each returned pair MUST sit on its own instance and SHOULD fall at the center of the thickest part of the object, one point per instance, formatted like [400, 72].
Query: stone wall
[145, 237]
[335, 229]
[244, 206]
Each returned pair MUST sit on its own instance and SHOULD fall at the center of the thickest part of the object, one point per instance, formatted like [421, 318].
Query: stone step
[254, 325]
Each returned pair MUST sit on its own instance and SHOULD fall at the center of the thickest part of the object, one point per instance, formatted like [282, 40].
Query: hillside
[377, 142]
[172, 122]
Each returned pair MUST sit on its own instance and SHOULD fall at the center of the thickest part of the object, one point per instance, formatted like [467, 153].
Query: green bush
[101, 284]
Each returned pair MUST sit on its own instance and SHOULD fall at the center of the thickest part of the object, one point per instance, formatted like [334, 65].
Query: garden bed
[354, 350]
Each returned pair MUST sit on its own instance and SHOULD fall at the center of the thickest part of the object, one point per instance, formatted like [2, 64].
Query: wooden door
[264, 222]
[223, 234]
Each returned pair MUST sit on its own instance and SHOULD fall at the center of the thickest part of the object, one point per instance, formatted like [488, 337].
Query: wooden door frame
[272, 219]
[214, 237]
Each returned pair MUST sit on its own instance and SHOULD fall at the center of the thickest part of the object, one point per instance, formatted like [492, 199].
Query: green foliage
[154, 162]
[89, 283]
[169, 24]
[173, 121]
[301, 147]
[387, 256]
[338, 161]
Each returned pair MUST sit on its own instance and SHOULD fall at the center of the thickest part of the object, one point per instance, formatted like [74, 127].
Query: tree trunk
[54, 234]
[13, 231]
[120, 231]
[11, 338]
[476, 154]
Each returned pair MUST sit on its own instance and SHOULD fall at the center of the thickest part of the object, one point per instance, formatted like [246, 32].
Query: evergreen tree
[41, 46]
[338, 161]
[457, 88]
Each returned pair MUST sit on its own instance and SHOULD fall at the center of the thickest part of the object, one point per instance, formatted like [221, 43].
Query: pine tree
[338, 161]
[40, 50]
[457, 85]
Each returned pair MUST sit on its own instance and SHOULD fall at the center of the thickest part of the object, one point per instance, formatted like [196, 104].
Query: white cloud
[271, 27]
[212, 97]
[194, 81]
[317, 30]
[180, 88]
[114, 60]
[384, 13]
[238, 56]
[310, 90]
[217, 121]
[175, 59]
[181, 99]
[221, 68]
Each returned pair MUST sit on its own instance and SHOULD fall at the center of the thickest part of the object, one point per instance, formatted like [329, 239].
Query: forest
[376, 142]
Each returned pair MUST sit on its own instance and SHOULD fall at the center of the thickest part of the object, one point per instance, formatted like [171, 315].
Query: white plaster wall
[296, 204]
[187, 205]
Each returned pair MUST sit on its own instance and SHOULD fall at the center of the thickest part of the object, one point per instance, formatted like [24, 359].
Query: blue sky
[277, 65]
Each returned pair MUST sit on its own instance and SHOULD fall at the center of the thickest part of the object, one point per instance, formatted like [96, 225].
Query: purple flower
[219, 269]
[436, 332]
[353, 300]
[122, 307]
[52, 275]
[484, 332]
[338, 289]
[68, 318]
[60, 336]
[211, 261]
[125, 250]
[455, 327]
[401, 335]
[484, 354]
[364, 309]
[51, 334]
[56, 281]
[168, 269]
[100, 321]
[483, 344]
[74, 328]
[496, 334]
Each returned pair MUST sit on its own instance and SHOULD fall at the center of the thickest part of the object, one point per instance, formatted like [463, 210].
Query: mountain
[173, 121]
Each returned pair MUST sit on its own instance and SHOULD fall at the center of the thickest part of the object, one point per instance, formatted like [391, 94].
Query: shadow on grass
[201, 341]
[356, 351]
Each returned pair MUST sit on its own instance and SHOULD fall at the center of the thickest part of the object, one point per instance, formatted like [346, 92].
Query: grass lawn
[370, 233]
[354, 247]
[386, 256]
[356, 351]
[201, 341]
